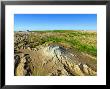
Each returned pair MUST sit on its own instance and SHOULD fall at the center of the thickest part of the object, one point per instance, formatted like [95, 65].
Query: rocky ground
[50, 60]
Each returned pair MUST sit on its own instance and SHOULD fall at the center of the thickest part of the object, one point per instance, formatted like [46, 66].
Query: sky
[24, 22]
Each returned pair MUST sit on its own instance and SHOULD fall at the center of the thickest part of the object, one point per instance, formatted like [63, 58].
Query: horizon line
[59, 29]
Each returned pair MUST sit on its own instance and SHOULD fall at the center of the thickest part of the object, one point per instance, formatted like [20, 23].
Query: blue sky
[23, 22]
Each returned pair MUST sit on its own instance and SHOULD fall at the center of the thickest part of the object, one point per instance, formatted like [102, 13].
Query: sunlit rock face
[69, 61]
[51, 60]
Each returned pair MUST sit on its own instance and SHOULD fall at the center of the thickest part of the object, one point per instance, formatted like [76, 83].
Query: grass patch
[83, 41]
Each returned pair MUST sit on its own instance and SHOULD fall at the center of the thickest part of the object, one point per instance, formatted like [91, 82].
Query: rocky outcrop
[22, 68]
[51, 60]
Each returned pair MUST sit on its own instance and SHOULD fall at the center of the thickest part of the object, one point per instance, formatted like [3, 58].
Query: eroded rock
[52, 60]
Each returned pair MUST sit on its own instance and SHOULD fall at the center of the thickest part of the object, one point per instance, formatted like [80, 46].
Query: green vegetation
[83, 41]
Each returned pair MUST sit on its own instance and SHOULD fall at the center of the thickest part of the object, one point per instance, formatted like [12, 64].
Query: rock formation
[51, 60]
